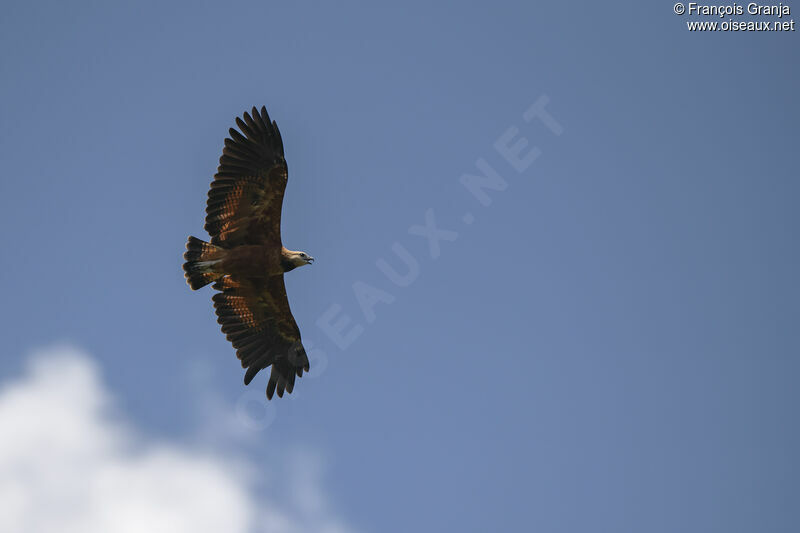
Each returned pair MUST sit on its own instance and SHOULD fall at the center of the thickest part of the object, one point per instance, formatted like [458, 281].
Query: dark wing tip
[265, 115]
[250, 374]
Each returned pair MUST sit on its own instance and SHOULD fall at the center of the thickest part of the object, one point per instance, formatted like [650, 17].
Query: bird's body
[255, 261]
[246, 259]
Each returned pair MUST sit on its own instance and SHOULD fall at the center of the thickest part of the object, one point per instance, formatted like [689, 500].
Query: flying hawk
[246, 259]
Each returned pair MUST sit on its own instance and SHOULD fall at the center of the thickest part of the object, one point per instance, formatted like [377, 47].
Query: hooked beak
[310, 260]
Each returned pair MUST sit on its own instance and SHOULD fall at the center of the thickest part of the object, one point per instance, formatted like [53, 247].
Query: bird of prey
[246, 259]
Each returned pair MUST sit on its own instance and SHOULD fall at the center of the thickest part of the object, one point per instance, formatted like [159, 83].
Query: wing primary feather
[262, 126]
[252, 125]
[251, 373]
[238, 137]
[278, 135]
[265, 115]
[244, 128]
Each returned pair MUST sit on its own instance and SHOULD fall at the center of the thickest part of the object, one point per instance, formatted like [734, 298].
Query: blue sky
[610, 345]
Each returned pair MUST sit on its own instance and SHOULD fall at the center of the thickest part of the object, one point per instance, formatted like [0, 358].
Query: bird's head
[299, 259]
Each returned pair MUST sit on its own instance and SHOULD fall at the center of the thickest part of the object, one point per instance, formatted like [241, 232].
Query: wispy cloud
[69, 463]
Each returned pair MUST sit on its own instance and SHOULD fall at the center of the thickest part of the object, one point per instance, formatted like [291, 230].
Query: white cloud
[68, 465]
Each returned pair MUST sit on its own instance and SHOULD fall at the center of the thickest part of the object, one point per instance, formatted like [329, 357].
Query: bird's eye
[303, 256]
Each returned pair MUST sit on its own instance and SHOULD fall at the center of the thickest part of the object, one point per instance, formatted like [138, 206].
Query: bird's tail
[201, 257]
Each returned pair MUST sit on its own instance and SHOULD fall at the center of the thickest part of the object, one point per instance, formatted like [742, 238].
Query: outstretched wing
[244, 203]
[255, 316]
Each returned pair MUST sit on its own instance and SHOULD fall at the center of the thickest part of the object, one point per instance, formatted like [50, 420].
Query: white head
[292, 259]
[301, 258]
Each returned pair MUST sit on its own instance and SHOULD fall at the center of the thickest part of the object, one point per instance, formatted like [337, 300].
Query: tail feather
[201, 257]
